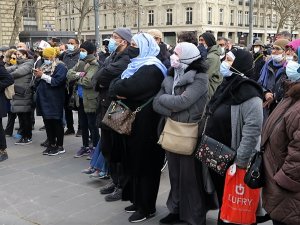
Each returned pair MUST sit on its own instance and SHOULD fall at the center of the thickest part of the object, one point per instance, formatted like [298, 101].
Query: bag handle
[138, 109]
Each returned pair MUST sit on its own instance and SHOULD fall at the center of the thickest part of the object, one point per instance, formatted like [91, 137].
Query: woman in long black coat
[142, 156]
[5, 81]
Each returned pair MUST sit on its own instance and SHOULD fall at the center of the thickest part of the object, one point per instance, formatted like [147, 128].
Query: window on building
[73, 23]
[169, 17]
[105, 21]
[221, 16]
[269, 21]
[29, 9]
[189, 15]
[240, 18]
[246, 18]
[59, 24]
[274, 21]
[231, 17]
[150, 17]
[66, 24]
[209, 17]
[255, 19]
[240, 2]
[88, 22]
[261, 20]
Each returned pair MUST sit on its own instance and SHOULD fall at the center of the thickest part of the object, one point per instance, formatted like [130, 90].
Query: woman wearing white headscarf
[142, 156]
[182, 98]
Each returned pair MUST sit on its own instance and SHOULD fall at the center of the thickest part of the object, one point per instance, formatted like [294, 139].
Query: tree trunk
[17, 17]
[84, 11]
[280, 24]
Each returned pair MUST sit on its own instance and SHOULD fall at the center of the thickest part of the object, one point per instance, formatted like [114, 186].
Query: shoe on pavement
[69, 132]
[47, 150]
[3, 155]
[171, 218]
[108, 188]
[56, 151]
[82, 152]
[24, 141]
[78, 133]
[88, 170]
[91, 153]
[45, 143]
[115, 196]
[137, 217]
[130, 209]
[95, 174]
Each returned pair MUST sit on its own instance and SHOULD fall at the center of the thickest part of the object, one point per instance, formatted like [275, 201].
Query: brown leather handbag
[120, 118]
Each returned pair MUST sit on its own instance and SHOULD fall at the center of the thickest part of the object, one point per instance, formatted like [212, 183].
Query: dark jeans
[55, 131]
[10, 123]
[25, 124]
[68, 111]
[2, 136]
[88, 123]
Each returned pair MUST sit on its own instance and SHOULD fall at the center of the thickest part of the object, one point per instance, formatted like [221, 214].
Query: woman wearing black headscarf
[236, 113]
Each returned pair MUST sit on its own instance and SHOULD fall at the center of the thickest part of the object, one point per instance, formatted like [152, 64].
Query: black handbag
[254, 177]
[214, 154]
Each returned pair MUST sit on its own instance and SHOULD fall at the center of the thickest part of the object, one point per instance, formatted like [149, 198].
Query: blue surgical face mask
[112, 45]
[293, 71]
[82, 55]
[47, 62]
[225, 69]
[71, 47]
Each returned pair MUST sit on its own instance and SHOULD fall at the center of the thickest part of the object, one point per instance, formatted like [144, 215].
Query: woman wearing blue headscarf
[142, 156]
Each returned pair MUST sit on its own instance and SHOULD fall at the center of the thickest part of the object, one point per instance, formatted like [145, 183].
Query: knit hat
[49, 52]
[88, 46]
[209, 38]
[124, 33]
[294, 44]
[243, 61]
[155, 33]
[187, 52]
[258, 43]
[281, 43]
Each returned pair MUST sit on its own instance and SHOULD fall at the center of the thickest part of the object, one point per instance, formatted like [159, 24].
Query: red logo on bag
[239, 189]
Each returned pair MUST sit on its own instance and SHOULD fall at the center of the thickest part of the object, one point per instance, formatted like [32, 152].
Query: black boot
[3, 155]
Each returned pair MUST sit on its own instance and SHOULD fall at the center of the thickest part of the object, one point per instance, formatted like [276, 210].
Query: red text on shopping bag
[239, 201]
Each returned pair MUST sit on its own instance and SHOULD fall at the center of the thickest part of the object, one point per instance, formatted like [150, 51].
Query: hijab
[148, 49]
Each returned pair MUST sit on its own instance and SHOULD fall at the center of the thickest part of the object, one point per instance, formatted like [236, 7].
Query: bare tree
[284, 10]
[17, 19]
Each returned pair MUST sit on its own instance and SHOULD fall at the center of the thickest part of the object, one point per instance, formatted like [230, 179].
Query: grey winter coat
[246, 125]
[189, 100]
[22, 74]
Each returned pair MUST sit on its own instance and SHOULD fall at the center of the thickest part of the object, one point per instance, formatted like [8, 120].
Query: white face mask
[175, 61]
[222, 50]
[277, 58]
[293, 70]
[289, 58]
[256, 49]
[225, 69]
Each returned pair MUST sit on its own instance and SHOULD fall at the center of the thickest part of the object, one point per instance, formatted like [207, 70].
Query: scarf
[264, 73]
[148, 52]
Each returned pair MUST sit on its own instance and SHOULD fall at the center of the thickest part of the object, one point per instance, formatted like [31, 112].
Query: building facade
[36, 15]
[227, 18]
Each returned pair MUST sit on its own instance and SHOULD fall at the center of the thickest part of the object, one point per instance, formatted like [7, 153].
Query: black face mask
[133, 52]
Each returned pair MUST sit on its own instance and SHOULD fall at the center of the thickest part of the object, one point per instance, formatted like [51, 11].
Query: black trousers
[55, 131]
[2, 136]
[25, 124]
[88, 124]
[10, 123]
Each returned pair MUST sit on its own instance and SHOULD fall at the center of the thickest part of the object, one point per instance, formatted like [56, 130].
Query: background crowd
[251, 94]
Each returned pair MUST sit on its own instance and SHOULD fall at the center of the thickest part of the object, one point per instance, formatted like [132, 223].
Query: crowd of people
[252, 95]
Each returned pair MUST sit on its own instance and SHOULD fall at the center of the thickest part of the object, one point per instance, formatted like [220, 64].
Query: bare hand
[37, 73]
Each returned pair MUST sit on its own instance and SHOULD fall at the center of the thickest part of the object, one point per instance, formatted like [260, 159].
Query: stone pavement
[50, 190]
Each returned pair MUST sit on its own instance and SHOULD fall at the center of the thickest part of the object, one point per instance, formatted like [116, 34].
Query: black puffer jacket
[5, 80]
[112, 68]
